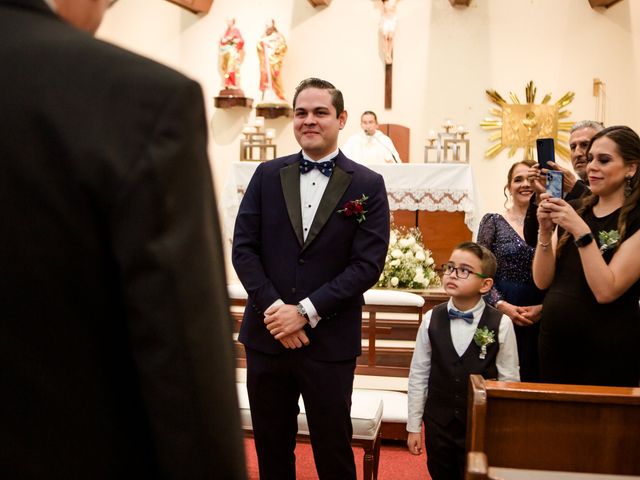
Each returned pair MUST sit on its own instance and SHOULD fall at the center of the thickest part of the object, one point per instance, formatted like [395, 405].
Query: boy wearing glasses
[458, 338]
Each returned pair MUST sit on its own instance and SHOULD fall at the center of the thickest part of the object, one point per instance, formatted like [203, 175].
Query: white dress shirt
[462, 335]
[312, 187]
[371, 149]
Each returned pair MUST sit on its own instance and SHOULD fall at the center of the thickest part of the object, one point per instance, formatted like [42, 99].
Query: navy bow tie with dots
[326, 168]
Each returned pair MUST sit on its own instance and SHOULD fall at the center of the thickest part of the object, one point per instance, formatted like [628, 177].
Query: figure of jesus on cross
[388, 22]
[387, 28]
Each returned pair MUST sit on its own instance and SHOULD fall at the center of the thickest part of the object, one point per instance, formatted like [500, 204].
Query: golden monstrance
[519, 124]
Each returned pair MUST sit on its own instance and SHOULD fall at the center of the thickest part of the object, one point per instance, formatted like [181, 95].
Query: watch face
[584, 240]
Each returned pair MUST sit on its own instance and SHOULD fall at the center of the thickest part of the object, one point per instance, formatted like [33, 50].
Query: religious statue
[271, 50]
[387, 28]
[231, 56]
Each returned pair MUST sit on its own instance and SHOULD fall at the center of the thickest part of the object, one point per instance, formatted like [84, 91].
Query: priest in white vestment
[370, 146]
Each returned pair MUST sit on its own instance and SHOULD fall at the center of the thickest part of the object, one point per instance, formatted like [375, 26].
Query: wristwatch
[301, 311]
[583, 240]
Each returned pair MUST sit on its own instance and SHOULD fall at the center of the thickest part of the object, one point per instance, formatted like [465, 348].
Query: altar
[441, 199]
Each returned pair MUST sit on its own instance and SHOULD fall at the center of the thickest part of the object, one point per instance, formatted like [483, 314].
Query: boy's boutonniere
[608, 240]
[484, 337]
[355, 208]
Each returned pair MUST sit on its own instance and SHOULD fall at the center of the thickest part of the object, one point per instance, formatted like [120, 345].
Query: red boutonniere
[355, 208]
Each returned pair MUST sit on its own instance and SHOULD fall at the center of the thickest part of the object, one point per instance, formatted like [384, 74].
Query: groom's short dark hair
[336, 95]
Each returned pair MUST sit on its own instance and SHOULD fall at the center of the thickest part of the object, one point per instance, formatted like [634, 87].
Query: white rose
[394, 263]
[393, 238]
[430, 261]
[409, 254]
[396, 253]
[394, 281]
[420, 255]
[381, 277]
[403, 242]
[411, 241]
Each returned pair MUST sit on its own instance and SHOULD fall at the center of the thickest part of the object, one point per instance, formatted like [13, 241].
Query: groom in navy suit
[311, 236]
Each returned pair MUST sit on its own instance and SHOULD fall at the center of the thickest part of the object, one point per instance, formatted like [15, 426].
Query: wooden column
[388, 85]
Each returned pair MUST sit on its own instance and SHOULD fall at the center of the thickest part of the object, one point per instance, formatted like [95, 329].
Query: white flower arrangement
[409, 264]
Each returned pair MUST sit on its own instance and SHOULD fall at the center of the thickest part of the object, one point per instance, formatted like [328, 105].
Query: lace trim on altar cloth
[413, 199]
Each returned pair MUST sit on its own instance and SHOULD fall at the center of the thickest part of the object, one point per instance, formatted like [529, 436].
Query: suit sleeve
[166, 238]
[366, 259]
[247, 247]
[579, 190]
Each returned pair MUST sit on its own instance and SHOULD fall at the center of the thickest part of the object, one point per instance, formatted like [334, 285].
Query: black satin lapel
[338, 184]
[290, 181]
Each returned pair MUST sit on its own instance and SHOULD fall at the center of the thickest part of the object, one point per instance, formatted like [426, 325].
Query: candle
[259, 122]
[432, 135]
[270, 133]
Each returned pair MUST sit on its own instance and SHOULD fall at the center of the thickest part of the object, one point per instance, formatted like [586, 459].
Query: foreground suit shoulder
[116, 349]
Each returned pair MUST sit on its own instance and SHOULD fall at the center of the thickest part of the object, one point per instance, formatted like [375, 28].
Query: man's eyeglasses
[461, 272]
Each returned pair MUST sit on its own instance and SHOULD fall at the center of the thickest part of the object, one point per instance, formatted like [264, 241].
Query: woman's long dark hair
[628, 145]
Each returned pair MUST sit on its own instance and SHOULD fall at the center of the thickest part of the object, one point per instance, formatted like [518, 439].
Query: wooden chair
[400, 136]
[569, 428]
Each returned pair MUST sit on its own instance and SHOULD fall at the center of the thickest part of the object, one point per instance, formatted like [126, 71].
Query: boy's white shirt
[462, 333]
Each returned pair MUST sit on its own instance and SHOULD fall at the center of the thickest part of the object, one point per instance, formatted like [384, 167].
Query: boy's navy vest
[449, 378]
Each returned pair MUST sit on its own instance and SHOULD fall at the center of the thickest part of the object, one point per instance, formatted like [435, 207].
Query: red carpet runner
[396, 463]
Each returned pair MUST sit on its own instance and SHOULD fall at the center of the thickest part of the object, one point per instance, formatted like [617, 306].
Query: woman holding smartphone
[590, 325]
[514, 292]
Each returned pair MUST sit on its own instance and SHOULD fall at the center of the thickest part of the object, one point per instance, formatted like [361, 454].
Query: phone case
[546, 151]
[554, 183]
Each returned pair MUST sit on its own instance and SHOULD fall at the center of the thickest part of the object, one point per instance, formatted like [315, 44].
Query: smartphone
[554, 183]
[546, 152]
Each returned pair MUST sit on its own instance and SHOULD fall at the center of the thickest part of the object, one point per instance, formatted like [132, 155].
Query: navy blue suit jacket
[337, 263]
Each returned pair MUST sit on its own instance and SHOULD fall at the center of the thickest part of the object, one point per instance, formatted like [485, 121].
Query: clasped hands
[522, 316]
[286, 325]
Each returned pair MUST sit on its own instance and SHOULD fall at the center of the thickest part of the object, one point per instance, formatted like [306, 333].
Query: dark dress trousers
[337, 263]
[115, 349]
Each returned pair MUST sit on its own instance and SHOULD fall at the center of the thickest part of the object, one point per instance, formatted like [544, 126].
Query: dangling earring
[628, 187]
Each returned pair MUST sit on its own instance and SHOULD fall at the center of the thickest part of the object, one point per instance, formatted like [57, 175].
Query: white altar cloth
[433, 187]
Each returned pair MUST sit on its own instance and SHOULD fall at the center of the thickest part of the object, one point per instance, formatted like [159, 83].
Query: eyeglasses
[111, 3]
[461, 272]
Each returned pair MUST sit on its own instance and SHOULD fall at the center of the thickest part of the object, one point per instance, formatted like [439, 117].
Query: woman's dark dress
[584, 342]
[513, 283]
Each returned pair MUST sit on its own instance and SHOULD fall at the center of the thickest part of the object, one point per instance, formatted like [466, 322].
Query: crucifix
[388, 22]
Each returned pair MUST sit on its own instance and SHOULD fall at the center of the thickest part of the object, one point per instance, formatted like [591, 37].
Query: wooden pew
[568, 428]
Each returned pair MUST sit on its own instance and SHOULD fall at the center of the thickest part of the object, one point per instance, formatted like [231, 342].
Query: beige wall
[445, 58]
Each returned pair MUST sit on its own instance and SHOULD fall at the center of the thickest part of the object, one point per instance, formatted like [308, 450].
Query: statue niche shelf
[232, 97]
[273, 111]
[195, 6]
